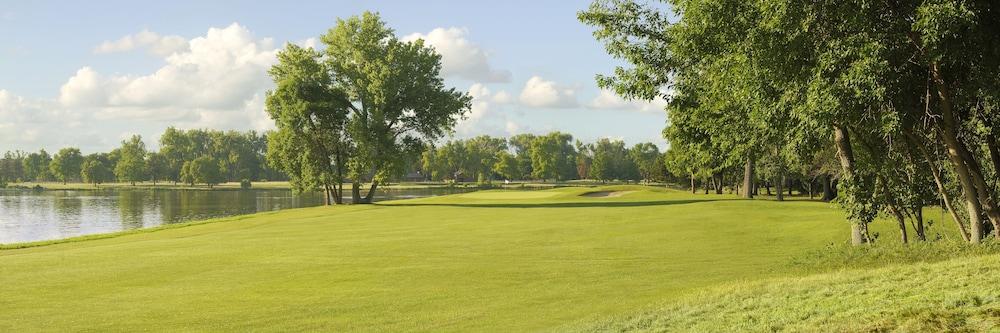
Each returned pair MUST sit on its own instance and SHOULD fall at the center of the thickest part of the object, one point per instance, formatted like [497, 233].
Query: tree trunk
[718, 184]
[921, 233]
[948, 129]
[748, 178]
[693, 188]
[811, 194]
[355, 192]
[326, 195]
[779, 184]
[936, 172]
[859, 231]
[827, 181]
[901, 221]
[370, 197]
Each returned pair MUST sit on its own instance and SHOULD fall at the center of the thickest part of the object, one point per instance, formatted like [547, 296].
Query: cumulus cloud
[153, 42]
[212, 81]
[542, 93]
[28, 123]
[608, 100]
[489, 114]
[460, 57]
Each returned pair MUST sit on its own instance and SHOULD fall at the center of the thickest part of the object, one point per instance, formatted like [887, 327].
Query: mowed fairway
[501, 261]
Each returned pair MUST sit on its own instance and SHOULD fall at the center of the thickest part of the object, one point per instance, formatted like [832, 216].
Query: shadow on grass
[571, 204]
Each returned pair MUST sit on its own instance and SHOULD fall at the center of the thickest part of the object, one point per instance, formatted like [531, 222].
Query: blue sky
[88, 74]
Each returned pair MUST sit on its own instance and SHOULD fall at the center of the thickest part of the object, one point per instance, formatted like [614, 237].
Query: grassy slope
[961, 295]
[493, 261]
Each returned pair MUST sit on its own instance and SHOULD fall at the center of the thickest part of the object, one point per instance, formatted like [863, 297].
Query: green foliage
[242, 154]
[36, 166]
[12, 166]
[131, 166]
[157, 166]
[310, 145]
[204, 170]
[66, 164]
[394, 89]
[95, 170]
[507, 166]
[553, 157]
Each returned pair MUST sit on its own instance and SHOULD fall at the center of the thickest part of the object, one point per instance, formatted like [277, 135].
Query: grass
[961, 295]
[507, 261]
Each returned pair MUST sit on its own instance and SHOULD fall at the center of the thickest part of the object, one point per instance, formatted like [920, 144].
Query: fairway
[453, 263]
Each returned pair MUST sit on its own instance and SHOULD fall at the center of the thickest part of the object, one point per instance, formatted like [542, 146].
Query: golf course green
[642, 259]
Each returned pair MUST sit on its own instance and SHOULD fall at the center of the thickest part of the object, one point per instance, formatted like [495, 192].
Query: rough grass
[961, 295]
[503, 260]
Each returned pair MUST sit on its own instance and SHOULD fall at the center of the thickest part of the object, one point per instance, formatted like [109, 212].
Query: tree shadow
[571, 204]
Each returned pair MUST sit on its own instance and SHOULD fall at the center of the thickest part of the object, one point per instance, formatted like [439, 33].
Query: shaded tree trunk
[827, 183]
[369, 198]
[355, 192]
[748, 178]
[778, 186]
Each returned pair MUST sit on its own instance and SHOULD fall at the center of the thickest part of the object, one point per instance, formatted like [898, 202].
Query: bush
[245, 184]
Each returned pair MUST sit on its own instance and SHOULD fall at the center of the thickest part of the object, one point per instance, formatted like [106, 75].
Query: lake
[37, 215]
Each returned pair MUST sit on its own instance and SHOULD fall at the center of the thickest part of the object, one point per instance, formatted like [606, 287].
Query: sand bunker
[605, 194]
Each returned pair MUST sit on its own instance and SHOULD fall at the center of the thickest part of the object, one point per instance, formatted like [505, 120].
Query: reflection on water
[27, 215]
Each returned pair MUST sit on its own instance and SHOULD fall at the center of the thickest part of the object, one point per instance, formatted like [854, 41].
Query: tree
[186, 175]
[66, 164]
[553, 157]
[311, 143]
[907, 92]
[507, 166]
[95, 169]
[36, 166]
[12, 166]
[205, 170]
[521, 144]
[157, 166]
[646, 157]
[131, 166]
[396, 95]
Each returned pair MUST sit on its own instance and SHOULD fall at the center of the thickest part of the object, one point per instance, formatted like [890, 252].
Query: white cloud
[153, 42]
[215, 80]
[488, 114]
[311, 42]
[460, 57]
[541, 93]
[608, 100]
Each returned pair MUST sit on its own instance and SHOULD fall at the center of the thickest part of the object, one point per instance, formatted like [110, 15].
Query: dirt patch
[605, 194]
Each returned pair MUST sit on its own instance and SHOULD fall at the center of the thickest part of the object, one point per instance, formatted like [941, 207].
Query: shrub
[245, 184]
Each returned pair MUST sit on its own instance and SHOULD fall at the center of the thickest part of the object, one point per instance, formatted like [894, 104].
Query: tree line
[550, 157]
[894, 101]
[194, 156]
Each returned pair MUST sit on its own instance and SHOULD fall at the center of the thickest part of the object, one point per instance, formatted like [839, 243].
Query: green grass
[961, 295]
[506, 261]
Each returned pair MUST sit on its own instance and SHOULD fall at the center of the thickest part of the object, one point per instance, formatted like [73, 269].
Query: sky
[88, 74]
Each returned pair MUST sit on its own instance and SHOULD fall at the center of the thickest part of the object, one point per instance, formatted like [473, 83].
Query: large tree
[311, 143]
[66, 164]
[36, 166]
[397, 98]
[131, 166]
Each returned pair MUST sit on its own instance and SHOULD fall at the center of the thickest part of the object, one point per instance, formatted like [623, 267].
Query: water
[29, 215]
